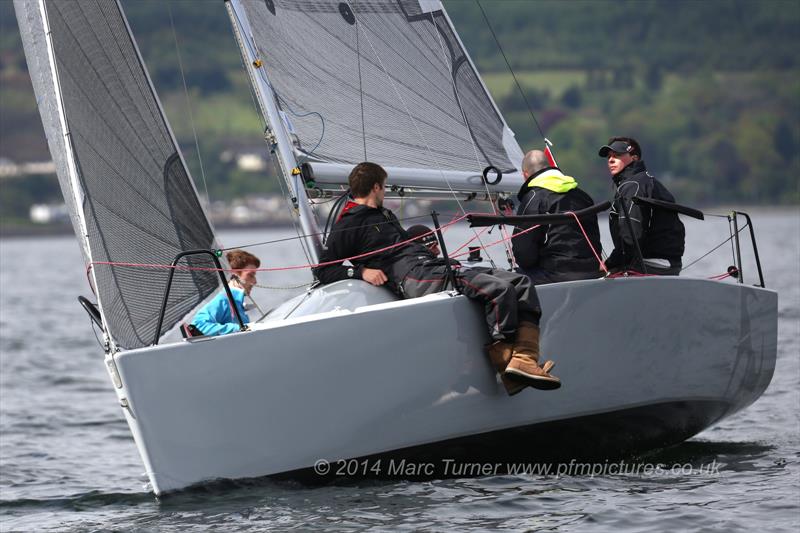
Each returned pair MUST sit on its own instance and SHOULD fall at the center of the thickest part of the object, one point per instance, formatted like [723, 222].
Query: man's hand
[374, 276]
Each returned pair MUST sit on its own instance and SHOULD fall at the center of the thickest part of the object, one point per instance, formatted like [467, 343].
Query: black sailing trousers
[507, 297]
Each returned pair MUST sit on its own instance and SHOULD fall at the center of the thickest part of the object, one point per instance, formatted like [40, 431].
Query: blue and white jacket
[215, 318]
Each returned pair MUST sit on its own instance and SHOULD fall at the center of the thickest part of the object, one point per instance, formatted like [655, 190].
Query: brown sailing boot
[500, 355]
[524, 364]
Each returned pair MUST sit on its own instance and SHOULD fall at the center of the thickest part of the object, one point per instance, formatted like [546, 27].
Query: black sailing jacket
[361, 229]
[660, 233]
[558, 248]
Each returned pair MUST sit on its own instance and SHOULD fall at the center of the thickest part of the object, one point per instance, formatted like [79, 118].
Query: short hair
[534, 161]
[633, 143]
[238, 259]
[363, 178]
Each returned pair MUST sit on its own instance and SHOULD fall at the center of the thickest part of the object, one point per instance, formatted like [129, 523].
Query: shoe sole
[511, 386]
[537, 382]
[516, 390]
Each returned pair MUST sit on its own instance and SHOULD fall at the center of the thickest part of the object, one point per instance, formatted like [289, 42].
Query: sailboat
[348, 372]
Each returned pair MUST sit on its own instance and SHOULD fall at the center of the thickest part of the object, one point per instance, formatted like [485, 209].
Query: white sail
[132, 199]
[387, 81]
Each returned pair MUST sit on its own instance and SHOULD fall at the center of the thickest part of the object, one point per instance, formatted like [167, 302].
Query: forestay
[381, 80]
[128, 189]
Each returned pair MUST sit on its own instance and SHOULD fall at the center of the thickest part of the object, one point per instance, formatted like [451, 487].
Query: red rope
[455, 254]
[596, 256]
[507, 239]
[720, 277]
[514, 236]
[477, 235]
[274, 269]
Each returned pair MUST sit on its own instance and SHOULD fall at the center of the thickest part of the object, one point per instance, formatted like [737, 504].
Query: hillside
[709, 88]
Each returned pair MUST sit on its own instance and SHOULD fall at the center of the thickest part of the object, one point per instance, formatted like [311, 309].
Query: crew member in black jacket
[511, 306]
[659, 232]
[552, 253]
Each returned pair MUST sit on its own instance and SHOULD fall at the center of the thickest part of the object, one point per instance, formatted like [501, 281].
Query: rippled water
[68, 462]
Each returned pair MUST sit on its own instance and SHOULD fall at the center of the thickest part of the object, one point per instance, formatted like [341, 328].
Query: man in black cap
[658, 231]
[425, 235]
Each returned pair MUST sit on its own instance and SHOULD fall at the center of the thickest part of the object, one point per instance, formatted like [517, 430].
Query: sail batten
[128, 189]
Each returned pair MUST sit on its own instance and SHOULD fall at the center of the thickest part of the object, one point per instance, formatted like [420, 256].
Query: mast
[276, 134]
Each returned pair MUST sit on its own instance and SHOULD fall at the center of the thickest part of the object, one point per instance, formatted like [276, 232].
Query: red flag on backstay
[550, 158]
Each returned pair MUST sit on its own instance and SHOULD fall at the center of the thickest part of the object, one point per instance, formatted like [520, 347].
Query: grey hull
[348, 372]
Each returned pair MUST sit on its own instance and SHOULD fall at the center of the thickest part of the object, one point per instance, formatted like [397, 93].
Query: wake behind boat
[348, 371]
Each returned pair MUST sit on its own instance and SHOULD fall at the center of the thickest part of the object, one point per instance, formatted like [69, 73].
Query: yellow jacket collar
[553, 180]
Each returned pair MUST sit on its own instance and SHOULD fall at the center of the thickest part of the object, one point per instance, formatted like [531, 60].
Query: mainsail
[381, 80]
[130, 194]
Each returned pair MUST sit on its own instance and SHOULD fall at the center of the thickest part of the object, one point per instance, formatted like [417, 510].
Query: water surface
[68, 462]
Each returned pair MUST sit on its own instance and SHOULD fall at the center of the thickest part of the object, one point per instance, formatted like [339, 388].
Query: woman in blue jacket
[216, 318]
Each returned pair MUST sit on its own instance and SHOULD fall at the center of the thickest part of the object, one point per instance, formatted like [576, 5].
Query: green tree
[785, 140]
[653, 77]
[572, 97]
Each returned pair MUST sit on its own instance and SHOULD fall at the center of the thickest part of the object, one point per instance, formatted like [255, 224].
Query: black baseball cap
[421, 229]
[619, 147]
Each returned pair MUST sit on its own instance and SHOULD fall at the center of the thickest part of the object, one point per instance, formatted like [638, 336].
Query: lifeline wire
[714, 249]
[522, 232]
[284, 239]
[718, 277]
[468, 242]
[276, 269]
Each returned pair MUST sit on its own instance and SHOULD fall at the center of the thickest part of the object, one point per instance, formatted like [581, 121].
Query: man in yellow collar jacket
[552, 253]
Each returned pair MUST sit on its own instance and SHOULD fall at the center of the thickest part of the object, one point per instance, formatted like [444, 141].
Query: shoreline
[16, 231]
